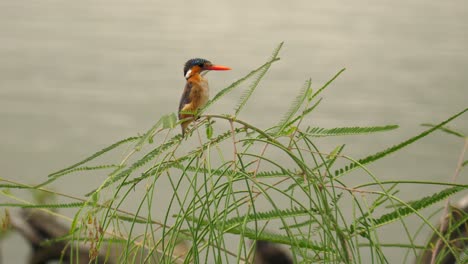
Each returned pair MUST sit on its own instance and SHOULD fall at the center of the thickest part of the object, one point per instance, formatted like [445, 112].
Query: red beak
[217, 68]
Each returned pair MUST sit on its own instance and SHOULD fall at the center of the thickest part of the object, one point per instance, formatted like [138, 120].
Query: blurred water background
[76, 76]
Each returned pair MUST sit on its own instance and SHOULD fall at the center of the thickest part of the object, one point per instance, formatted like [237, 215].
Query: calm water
[77, 76]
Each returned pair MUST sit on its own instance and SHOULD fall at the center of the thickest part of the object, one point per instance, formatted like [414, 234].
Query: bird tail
[184, 126]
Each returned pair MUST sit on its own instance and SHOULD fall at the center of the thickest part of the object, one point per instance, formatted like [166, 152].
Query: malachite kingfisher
[196, 91]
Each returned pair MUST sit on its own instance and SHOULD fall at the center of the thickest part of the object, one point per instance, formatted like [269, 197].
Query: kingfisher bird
[196, 92]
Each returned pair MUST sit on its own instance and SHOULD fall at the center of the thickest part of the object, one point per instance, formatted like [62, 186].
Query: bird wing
[185, 99]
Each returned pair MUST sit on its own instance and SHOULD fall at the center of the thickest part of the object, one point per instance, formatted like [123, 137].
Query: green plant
[228, 187]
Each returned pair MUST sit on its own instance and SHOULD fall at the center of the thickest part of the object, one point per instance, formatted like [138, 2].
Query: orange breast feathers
[195, 96]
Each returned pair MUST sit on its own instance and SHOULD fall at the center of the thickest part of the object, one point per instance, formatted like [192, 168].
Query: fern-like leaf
[148, 135]
[269, 215]
[50, 206]
[273, 174]
[304, 113]
[166, 121]
[238, 82]
[326, 84]
[379, 155]
[130, 219]
[160, 167]
[446, 130]
[246, 95]
[345, 131]
[267, 236]
[147, 158]
[280, 239]
[86, 168]
[95, 155]
[15, 186]
[294, 107]
[415, 206]
[299, 225]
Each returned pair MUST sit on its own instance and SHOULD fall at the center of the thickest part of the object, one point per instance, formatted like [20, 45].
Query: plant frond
[148, 135]
[304, 113]
[95, 155]
[238, 82]
[147, 158]
[446, 130]
[16, 186]
[300, 224]
[281, 239]
[131, 219]
[294, 107]
[86, 168]
[381, 154]
[166, 121]
[248, 92]
[269, 215]
[38, 206]
[165, 165]
[326, 84]
[346, 131]
[414, 206]
[274, 174]
[267, 236]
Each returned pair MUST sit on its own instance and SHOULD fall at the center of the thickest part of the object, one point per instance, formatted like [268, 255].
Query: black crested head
[195, 62]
